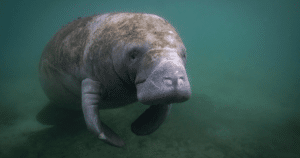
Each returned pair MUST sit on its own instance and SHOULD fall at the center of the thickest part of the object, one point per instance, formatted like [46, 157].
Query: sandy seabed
[195, 129]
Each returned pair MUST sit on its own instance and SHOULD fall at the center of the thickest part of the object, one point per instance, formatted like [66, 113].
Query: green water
[243, 62]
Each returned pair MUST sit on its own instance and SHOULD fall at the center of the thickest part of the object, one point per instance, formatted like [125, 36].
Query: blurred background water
[243, 62]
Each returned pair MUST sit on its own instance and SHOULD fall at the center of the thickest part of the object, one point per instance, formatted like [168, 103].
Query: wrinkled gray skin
[109, 61]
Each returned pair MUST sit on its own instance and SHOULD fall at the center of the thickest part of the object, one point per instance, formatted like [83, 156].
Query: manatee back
[61, 61]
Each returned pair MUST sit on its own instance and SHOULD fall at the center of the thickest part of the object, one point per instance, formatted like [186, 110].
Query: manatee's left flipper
[151, 119]
[91, 92]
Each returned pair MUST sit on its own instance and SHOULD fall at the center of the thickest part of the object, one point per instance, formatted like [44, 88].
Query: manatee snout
[168, 83]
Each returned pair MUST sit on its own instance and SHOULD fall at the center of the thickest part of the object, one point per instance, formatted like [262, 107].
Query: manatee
[109, 61]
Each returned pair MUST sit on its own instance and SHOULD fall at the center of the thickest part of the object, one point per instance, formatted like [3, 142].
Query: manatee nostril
[167, 81]
[173, 81]
[181, 81]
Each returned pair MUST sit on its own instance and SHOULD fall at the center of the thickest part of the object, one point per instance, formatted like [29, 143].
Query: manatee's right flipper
[151, 119]
[91, 91]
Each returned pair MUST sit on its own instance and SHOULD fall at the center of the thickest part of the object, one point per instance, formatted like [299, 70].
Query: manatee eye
[133, 54]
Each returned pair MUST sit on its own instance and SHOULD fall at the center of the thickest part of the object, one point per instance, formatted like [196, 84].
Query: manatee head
[148, 53]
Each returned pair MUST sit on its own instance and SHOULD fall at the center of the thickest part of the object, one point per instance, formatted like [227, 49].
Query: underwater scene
[150, 79]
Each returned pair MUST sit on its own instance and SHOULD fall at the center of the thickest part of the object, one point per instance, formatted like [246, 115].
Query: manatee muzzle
[168, 83]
